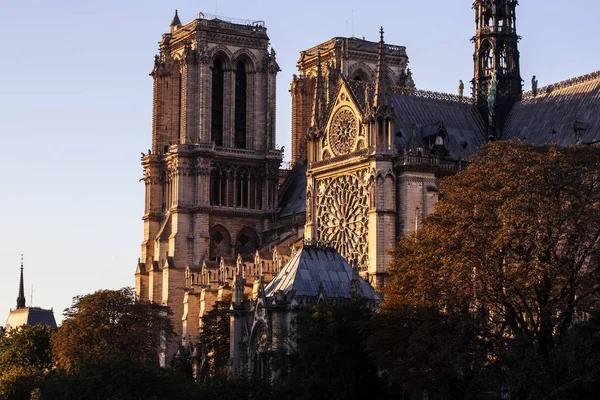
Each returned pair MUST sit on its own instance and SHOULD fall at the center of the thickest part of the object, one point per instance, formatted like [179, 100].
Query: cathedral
[223, 221]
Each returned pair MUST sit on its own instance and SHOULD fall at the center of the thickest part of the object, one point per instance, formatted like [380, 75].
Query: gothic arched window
[218, 78]
[486, 58]
[240, 105]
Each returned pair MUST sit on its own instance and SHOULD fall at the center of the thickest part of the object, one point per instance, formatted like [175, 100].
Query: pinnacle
[176, 21]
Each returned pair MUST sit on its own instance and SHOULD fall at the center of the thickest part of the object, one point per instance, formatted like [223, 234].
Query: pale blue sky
[75, 109]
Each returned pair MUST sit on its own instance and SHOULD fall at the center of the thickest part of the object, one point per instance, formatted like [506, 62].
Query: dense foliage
[25, 357]
[110, 325]
[486, 292]
[213, 340]
[328, 358]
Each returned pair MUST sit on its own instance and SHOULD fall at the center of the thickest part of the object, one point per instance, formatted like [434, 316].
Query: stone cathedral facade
[369, 151]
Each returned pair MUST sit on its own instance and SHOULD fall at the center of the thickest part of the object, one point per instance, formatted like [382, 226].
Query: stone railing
[496, 29]
[561, 85]
[368, 151]
[228, 22]
[453, 166]
[433, 95]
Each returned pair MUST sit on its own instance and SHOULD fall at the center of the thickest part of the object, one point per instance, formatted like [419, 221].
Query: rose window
[343, 131]
[342, 217]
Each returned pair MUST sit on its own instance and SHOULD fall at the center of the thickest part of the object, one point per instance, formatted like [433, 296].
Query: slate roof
[292, 193]
[310, 266]
[564, 113]
[425, 110]
[30, 316]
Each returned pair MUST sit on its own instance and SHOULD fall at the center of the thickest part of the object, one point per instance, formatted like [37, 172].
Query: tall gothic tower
[352, 58]
[211, 174]
[497, 83]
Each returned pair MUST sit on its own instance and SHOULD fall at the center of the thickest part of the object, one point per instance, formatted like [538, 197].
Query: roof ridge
[429, 94]
[563, 84]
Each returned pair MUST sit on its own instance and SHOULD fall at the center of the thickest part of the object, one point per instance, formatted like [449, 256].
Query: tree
[110, 325]
[119, 379]
[213, 340]
[512, 252]
[577, 363]
[25, 357]
[328, 359]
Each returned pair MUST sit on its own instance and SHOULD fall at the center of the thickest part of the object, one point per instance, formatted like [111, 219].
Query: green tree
[213, 340]
[119, 379]
[110, 325]
[511, 256]
[25, 357]
[328, 359]
[577, 364]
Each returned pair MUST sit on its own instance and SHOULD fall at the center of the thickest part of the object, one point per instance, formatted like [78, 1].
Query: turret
[497, 83]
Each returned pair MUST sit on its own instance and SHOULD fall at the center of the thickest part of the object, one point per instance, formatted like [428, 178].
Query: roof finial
[21, 297]
[176, 21]
[381, 35]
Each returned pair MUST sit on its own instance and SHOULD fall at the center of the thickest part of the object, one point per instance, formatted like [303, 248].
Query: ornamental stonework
[342, 215]
[343, 131]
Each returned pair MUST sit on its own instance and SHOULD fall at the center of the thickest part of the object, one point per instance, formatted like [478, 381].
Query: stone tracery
[342, 214]
[343, 131]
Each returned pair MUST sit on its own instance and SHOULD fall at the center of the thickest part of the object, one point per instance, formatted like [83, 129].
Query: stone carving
[343, 131]
[342, 215]
[534, 86]
[461, 88]
[492, 97]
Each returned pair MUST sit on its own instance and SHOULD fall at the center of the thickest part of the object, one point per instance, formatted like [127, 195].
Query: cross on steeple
[21, 297]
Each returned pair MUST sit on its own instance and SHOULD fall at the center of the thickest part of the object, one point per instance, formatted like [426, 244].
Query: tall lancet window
[240, 106]
[217, 103]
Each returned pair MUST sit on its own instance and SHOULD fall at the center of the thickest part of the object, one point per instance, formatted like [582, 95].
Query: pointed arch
[361, 71]
[486, 57]
[220, 242]
[218, 100]
[247, 241]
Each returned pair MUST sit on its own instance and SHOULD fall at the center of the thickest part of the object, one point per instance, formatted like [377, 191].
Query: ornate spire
[21, 298]
[497, 83]
[319, 104]
[381, 97]
[176, 21]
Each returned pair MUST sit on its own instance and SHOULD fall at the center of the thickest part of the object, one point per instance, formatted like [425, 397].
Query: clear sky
[75, 109]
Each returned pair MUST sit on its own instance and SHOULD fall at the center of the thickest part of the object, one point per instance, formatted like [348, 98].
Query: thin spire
[21, 298]
[381, 96]
[319, 110]
[176, 21]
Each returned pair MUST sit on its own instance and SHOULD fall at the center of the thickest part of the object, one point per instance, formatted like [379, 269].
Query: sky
[75, 109]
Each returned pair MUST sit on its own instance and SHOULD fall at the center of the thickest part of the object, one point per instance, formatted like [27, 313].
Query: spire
[21, 298]
[381, 97]
[176, 21]
[319, 108]
[497, 83]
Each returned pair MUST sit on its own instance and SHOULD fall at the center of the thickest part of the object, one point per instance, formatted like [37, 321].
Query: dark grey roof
[30, 316]
[564, 113]
[427, 110]
[292, 193]
[423, 111]
[310, 266]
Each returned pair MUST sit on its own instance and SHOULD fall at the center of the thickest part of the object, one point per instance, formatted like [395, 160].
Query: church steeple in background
[497, 83]
[21, 297]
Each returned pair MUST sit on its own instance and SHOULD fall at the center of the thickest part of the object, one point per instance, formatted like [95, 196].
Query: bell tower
[211, 175]
[497, 83]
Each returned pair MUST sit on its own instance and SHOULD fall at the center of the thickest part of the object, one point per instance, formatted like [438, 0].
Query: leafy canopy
[510, 256]
[110, 325]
